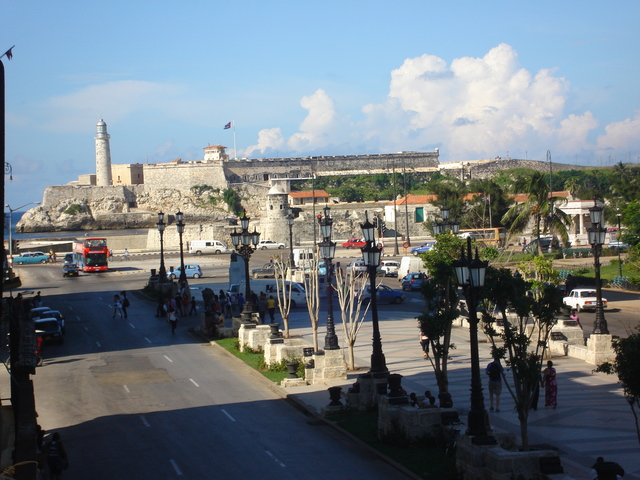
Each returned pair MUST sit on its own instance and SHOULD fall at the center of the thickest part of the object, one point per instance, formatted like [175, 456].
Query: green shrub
[73, 209]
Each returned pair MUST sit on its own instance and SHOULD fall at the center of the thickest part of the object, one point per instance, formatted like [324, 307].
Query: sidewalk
[592, 418]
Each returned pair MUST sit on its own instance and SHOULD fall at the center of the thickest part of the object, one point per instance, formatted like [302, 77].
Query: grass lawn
[424, 459]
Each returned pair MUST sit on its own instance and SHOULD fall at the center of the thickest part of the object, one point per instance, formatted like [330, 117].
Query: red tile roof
[309, 194]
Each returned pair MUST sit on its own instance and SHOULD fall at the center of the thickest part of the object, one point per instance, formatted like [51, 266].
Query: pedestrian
[173, 320]
[241, 301]
[602, 470]
[56, 457]
[227, 305]
[262, 307]
[125, 303]
[126, 254]
[271, 308]
[38, 300]
[524, 245]
[117, 306]
[194, 307]
[178, 305]
[160, 310]
[550, 386]
[110, 254]
[495, 371]
[574, 316]
[424, 343]
[234, 305]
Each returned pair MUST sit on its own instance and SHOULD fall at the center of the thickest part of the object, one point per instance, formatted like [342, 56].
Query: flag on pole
[9, 54]
[227, 126]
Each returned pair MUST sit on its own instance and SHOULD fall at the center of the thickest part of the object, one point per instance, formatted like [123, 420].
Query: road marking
[275, 459]
[132, 325]
[147, 339]
[175, 467]
[100, 298]
[98, 344]
[86, 329]
[126, 389]
[227, 414]
[144, 421]
[194, 382]
[78, 318]
[70, 308]
[168, 359]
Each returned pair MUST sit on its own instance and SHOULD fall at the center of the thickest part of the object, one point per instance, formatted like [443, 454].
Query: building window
[419, 215]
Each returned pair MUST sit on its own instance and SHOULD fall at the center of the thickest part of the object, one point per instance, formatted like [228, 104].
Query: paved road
[131, 401]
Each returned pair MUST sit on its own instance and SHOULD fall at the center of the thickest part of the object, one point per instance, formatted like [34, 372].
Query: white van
[303, 258]
[410, 265]
[298, 296]
[207, 247]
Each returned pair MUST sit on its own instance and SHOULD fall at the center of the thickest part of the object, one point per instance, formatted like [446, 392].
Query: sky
[298, 78]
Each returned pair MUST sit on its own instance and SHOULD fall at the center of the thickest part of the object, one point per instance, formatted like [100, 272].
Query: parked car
[268, 270]
[70, 270]
[618, 244]
[58, 316]
[270, 245]
[49, 330]
[384, 294]
[31, 257]
[425, 247]
[192, 270]
[389, 268]
[583, 299]
[357, 267]
[39, 312]
[414, 281]
[354, 243]
[322, 268]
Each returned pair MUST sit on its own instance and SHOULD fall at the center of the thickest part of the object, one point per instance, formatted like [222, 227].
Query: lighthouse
[103, 155]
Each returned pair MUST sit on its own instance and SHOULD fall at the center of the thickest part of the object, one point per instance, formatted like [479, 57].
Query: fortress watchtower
[103, 155]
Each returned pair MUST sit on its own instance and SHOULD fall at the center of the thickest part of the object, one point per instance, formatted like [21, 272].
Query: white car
[356, 267]
[269, 245]
[390, 268]
[583, 299]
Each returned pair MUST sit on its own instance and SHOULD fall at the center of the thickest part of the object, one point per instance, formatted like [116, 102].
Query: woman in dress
[550, 386]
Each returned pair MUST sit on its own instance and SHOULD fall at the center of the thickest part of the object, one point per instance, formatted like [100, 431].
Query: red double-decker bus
[91, 254]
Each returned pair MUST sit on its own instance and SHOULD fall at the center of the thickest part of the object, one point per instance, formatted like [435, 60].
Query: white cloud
[472, 108]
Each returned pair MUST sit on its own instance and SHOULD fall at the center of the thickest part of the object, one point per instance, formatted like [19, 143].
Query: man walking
[606, 470]
[495, 371]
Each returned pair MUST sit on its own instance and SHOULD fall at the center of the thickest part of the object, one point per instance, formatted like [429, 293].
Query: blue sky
[473, 79]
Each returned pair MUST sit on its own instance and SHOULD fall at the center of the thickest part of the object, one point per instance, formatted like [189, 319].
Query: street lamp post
[11, 210]
[618, 237]
[470, 275]
[328, 250]
[597, 237]
[290, 218]
[161, 226]
[245, 244]
[180, 226]
[371, 256]
[446, 225]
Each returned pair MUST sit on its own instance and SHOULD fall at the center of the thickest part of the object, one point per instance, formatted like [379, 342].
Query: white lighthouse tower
[103, 155]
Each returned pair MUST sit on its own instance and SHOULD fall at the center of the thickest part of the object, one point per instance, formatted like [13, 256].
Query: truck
[410, 264]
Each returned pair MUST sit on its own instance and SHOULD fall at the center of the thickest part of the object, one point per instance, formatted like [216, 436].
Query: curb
[310, 411]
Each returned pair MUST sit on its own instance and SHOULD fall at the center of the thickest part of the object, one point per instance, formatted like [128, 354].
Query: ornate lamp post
[470, 275]
[328, 250]
[371, 256]
[245, 244]
[597, 237]
[161, 226]
[11, 210]
[180, 226]
[445, 226]
[290, 218]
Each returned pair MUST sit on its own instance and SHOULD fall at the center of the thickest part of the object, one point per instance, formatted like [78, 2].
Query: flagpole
[235, 151]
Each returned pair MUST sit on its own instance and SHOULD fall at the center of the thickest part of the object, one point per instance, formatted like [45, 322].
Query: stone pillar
[599, 349]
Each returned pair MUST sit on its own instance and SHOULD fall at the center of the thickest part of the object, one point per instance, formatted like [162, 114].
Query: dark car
[49, 330]
[58, 316]
[268, 270]
[383, 294]
[413, 281]
[70, 270]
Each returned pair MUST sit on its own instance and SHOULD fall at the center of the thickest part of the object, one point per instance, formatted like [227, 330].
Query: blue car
[31, 257]
[425, 247]
[189, 270]
[414, 281]
[384, 294]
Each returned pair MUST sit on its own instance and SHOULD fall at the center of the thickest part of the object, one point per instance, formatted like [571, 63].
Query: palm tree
[573, 184]
[541, 208]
